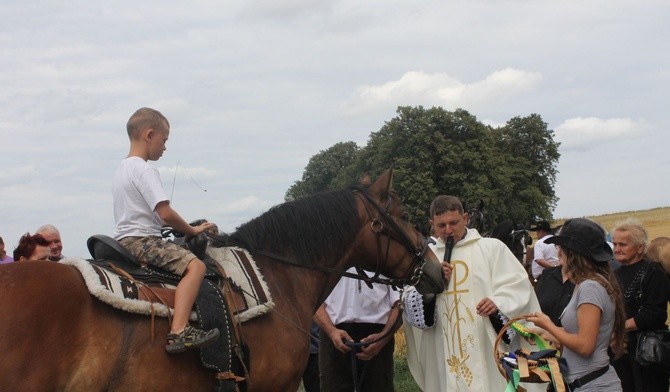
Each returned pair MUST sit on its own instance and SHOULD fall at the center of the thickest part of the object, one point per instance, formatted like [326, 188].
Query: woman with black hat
[594, 318]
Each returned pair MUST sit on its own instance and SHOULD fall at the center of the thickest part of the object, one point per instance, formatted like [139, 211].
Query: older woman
[645, 290]
[593, 320]
[32, 248]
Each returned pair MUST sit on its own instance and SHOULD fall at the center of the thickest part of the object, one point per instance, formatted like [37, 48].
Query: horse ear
[383, 183]
[366, 180]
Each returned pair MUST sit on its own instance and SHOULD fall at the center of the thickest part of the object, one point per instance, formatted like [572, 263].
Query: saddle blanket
[126, 294]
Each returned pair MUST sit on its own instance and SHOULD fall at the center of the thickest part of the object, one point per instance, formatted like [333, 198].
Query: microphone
[449, 247]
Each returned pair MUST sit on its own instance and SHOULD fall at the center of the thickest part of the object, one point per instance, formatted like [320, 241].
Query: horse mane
[308, 228]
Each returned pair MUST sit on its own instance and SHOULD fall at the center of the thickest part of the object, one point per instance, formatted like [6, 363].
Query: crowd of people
[44, 245]
[620, 287]
[588, 295]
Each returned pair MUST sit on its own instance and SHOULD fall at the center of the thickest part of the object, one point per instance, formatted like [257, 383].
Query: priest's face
[449, 224]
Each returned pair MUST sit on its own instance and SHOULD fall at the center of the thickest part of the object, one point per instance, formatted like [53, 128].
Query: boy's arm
[170, 217]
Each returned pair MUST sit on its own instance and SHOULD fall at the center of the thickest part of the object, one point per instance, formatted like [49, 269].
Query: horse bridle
[378, 226]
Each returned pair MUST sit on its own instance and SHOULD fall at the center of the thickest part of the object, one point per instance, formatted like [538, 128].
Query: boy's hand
[201, 228]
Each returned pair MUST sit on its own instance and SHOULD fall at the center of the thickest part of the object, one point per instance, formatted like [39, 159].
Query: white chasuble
[457, 353]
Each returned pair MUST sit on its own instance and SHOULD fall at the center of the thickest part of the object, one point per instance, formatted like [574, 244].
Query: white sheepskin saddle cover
[123, 293]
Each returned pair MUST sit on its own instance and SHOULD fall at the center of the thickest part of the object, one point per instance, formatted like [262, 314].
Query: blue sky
[253, 89]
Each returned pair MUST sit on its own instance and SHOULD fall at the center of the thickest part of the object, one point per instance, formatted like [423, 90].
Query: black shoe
[190, 338]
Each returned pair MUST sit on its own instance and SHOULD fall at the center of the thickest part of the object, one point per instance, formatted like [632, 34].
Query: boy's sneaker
[190, 338]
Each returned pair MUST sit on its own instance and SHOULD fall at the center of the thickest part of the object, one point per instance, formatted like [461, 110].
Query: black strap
[578, 383]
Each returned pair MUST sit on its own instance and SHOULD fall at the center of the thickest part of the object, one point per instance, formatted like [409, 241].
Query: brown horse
[55, 337]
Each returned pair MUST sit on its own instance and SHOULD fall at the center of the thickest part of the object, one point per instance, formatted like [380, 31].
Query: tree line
[511, 169]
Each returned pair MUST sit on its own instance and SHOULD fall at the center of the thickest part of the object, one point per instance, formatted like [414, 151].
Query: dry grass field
[655, 220]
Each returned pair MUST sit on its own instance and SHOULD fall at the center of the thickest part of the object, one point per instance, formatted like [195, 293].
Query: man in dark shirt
[554, 291]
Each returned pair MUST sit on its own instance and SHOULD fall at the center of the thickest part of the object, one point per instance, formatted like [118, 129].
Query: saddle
[229, 356]
[107, 251]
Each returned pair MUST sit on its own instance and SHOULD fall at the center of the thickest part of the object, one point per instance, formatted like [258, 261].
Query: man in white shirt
[354, 313]
[544, 255]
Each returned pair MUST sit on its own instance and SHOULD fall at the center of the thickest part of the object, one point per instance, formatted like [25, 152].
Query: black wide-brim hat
[543, 225]
[584, 237]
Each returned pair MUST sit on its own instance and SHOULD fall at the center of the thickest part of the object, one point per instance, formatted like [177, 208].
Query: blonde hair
[632, 226]
[146, 118]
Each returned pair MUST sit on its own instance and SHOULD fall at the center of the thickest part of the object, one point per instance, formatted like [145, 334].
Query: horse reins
[378, 226]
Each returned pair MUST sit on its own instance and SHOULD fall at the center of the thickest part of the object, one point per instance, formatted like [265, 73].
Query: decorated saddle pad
[129, 295]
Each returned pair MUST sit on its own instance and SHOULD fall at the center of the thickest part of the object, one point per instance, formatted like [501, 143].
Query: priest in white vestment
[456, 353]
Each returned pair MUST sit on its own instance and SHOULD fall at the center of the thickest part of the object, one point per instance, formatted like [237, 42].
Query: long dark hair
[580, 268]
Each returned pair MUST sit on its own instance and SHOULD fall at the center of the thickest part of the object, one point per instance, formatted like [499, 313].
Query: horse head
[515, 236]
[362, 226]
[476, 217]
[398, 249]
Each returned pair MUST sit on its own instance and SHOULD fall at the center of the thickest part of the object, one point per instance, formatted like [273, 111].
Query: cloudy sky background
[254, 88]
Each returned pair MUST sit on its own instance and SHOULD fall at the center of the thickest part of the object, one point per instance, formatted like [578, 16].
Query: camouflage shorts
[153, 250]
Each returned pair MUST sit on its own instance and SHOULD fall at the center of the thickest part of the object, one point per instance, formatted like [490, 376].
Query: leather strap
[588, 378]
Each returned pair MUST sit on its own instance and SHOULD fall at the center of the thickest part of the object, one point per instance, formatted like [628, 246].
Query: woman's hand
[546, 336]
[539, 319]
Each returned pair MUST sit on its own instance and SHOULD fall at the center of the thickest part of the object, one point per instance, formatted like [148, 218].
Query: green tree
[323, 170]
[531, 158]
[434, 151]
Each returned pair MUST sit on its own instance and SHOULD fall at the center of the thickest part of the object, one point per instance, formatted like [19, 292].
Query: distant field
[655, 220]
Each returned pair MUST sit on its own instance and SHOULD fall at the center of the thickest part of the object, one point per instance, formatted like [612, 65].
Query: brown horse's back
[55, 336]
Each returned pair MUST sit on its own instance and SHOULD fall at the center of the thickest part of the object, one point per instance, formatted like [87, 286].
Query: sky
[253, 89]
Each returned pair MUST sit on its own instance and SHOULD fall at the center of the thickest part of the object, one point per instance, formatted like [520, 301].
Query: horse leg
[278, 341]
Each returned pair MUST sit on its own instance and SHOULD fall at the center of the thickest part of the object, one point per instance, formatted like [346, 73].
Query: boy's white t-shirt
[137, 189]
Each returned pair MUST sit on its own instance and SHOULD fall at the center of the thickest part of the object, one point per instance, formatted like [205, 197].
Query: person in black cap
[544, 254]
[594, 318]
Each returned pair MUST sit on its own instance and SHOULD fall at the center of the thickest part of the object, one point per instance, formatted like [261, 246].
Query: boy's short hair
[145, 118]
[444, 203]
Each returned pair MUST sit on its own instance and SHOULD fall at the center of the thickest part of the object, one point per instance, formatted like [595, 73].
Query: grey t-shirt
[591, 292]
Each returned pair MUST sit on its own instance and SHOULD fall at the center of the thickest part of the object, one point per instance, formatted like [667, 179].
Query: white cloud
[441, 89]
[12, 174]
[283, 9]
[583, 133]
[254, 88]
[247, 204]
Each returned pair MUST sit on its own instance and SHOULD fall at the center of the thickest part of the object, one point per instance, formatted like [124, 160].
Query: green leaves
[511, 168]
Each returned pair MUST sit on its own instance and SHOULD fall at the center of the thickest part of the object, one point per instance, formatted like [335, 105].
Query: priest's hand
[486, 307]
[446, 270]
